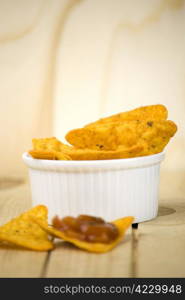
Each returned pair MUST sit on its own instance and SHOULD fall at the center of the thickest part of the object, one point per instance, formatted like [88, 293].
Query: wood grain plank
[171, 212]
[68, 261]
[160, 251]
[16, 262]
[161, 243]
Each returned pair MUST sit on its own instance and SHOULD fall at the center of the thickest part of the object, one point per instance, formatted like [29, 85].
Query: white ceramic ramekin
[107, 188]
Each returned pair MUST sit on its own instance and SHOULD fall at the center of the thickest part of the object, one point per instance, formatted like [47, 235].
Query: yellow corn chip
[25, 232]
[126, 134]
[121, 152]
[121, 224]
[151, 112]
[104, 137]
[48, 148]
[46, 144]
[155, 135]
[139, 132]
[50, 155]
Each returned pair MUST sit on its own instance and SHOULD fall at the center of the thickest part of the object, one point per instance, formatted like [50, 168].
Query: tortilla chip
[25, 232]
[104, 137]
[151, 112]
[155, 135]
[139, 132]
[121, 152]
[48, 148]
[126, 134]
[121, 224]
[50, 155]
[46, 144]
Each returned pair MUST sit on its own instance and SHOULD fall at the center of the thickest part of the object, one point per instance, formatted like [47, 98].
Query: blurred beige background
[64, 63]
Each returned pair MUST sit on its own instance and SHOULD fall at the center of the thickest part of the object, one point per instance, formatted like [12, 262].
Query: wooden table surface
[155, 249]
